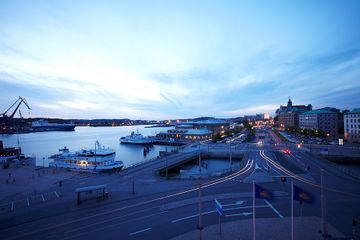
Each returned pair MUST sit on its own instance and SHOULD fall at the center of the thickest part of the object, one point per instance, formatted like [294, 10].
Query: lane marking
[267, 163]
[192, 216]
[28, 203]
[12, 206]
[109, 226]
[42, 196]
[214, 211]
[235, 208]
[57, 195]
[239, 214]
[273, 208]
[110, 220]
[233, 204]
[140, 231]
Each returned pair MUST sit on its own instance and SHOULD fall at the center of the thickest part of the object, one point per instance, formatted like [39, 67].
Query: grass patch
[280, 136]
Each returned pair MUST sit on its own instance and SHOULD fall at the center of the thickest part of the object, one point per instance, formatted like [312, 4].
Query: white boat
[98, 159]
[136, 138]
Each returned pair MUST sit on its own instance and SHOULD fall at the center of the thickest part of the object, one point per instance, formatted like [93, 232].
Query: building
[352, 126]
[328, 120]
[257, 117]
[216, 126]
[185, 134]
[288, 116]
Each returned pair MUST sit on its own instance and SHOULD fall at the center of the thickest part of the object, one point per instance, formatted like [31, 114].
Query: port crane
[18, 102]
[7, 120]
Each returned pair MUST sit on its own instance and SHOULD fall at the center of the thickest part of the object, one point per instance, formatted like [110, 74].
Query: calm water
[44, 144]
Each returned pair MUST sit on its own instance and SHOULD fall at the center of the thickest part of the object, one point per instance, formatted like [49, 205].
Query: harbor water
[44, 144]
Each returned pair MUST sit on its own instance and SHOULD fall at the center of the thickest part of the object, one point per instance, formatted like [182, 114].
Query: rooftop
[208, 121]
[319, 111]
[355, 110]
[200, 131]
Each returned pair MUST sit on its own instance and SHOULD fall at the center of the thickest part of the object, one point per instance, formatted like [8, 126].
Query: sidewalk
[266, 229]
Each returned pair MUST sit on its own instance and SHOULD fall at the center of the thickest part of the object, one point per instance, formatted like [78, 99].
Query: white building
[266, 116]
[352, 126]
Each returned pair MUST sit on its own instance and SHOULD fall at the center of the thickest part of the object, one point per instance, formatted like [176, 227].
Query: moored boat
[98, 159]
[7, 154]
[136, 138]
[43, 125]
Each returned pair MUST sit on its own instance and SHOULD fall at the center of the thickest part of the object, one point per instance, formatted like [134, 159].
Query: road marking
[57, 195]
[192, 216]
[112, 219]
[42, 196]
[205, 213]
[239, 214]
[273, 208]
[140, 231]
[109, 226]
[28, 203]
[12, 206]
[267, 163]
[236, 208]
[233, 204]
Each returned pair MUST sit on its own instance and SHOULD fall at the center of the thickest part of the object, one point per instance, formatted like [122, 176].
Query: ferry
[43, 125]
[136, 138]
[7, 154]
[98, 159]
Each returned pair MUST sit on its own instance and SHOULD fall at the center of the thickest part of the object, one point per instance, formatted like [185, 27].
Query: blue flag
[261, 192]
[302, 195]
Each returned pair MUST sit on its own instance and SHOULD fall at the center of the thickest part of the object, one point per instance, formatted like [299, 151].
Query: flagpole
[254, 236]
[292, 210]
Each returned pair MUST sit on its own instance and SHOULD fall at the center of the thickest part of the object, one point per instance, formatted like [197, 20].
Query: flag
[302, 195]
[261, 192]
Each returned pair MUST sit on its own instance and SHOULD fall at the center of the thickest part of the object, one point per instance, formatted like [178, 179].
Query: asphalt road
[171, 212]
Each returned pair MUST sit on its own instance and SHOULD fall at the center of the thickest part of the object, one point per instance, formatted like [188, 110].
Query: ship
[11, 153]
[136, 138]
[43, 125]
[97, 159]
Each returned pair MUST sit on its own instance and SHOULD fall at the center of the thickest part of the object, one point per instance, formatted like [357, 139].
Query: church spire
[289, 103]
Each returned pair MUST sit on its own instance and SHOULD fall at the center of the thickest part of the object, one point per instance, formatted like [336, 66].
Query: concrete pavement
[266, 229]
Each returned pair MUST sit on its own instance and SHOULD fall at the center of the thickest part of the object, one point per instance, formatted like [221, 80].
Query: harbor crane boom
[18, 102]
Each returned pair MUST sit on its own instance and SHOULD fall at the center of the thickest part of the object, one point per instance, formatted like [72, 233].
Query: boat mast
[95, 155]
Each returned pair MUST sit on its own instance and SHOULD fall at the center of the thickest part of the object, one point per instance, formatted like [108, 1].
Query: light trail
[299, 178]
[242, 171]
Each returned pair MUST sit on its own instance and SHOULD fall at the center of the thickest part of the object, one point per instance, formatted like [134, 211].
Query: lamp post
[230, 157]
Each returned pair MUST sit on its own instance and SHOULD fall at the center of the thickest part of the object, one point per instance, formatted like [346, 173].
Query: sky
[177, 59]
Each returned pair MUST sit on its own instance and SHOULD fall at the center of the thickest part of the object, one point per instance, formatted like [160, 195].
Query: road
[172, 211]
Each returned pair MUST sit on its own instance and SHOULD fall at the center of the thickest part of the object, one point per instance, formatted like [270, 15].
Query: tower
[289, 105]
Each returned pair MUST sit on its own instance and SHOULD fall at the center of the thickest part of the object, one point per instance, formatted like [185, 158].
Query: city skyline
[161, 60]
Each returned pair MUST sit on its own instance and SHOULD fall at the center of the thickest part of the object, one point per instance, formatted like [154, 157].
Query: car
[286, 151]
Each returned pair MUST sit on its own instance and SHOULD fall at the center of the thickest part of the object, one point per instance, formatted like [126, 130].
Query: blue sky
[175, 59]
